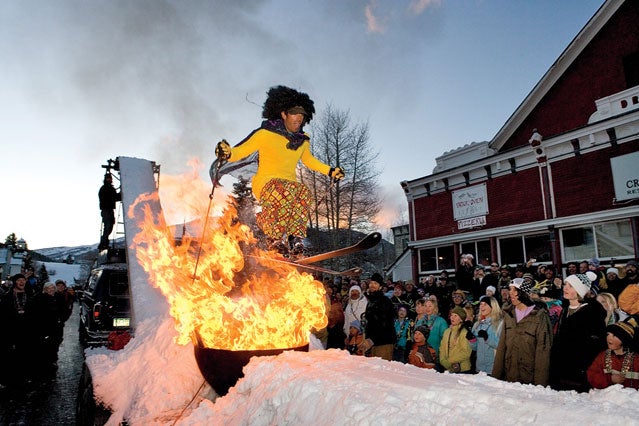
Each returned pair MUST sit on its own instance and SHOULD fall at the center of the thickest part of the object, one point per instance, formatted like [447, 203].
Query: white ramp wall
[136, 176]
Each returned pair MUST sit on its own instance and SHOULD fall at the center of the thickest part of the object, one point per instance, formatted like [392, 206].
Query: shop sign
[625, 176]
[473, 222]
[470, 202]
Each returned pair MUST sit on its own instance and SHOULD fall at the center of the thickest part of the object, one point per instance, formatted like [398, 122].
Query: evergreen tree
[11, 240]
[43, 274]
[27, 262]
[245, 202]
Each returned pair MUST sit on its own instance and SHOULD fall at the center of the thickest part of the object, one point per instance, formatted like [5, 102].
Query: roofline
[557, 69]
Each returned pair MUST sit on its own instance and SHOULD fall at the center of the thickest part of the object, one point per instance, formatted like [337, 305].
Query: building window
[436, 259]
[479, 249]
[516, 250]
[604, 240]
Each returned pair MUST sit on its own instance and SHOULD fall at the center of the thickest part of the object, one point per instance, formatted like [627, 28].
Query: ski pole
[220, 162]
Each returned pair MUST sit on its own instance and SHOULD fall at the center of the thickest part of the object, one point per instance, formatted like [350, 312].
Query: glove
[223, 150]
[469, 334]
[336, 173]
[483, 334]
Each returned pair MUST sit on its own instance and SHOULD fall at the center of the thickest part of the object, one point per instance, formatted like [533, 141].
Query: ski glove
[336, 173]
[483, 334]
[223, 150]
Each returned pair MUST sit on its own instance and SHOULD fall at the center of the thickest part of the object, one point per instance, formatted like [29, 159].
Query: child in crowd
[619, 364]
[422, 354]
[355, 337]
[403, 329]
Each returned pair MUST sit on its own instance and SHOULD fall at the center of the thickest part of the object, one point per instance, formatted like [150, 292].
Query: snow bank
[333, 387]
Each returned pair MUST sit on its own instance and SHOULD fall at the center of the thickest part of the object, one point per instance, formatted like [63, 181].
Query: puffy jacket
[486, 348]
[523, 353]
[455, 348]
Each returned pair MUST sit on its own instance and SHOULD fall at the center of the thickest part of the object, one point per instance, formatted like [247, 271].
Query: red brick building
[560, 180]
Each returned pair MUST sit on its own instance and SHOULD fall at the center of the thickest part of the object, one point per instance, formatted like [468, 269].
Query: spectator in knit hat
[379, 322]
[523, 352]
[581, 335]
[599, 284]
[504, 277]
[632, 276]
[355, 306]
[355, 338]
[455, 350]
[613, 282]
[422, 354]
[619, 364]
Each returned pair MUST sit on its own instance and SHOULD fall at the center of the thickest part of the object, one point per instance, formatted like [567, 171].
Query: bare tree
[352, 203]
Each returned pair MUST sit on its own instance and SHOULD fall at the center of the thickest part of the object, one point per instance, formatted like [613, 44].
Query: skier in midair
[280, 143]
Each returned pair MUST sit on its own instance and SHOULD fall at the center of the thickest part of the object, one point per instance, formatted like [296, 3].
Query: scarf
[295, 140]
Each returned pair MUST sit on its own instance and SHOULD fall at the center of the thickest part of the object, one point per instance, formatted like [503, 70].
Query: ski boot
[296, 247]
[278, 245]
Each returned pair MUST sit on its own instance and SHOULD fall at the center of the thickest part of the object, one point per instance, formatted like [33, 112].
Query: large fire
[221, 288]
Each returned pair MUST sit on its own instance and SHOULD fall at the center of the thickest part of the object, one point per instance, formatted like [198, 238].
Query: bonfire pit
[222, 368]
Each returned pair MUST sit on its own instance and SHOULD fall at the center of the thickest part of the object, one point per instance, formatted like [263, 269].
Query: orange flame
[233, 302]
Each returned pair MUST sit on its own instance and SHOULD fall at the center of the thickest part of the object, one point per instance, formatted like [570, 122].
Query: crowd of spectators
[522, 324]
[32, 315]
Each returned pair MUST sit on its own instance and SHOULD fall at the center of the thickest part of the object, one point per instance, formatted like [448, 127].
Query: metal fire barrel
[222, 368]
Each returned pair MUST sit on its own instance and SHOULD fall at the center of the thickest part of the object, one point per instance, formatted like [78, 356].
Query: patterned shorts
[285, 208]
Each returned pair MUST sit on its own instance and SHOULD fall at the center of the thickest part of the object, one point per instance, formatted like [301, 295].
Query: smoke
[394, 208]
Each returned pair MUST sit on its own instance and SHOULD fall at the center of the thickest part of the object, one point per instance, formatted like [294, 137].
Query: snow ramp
[137, 178]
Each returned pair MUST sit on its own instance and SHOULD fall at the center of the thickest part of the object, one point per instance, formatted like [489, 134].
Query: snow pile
[333, 387]
[150, 378]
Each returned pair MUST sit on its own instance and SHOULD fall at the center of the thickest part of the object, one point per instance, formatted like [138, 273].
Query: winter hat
[525, 286]
[580, 282]
[356, 288]
[594, 262]
[491, 288]
[528, 275]
[357, 325]
[377, 278]
[612, 271]
[460, 312]
[423, 329]
[632, 263]
[625, 331]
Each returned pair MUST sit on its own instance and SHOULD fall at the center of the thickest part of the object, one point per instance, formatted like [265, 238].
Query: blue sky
[82, 82]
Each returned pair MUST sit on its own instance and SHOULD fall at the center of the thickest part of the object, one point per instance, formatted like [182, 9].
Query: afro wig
[282, 98]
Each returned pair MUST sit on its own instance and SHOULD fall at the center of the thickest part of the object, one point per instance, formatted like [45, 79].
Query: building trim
[528, 228]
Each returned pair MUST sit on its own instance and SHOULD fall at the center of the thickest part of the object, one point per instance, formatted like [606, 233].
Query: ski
[313, 268]
[369, 241]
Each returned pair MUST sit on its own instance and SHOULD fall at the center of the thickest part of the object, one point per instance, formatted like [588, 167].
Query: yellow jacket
[629, 299]
[455, 349]
[275, 160]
